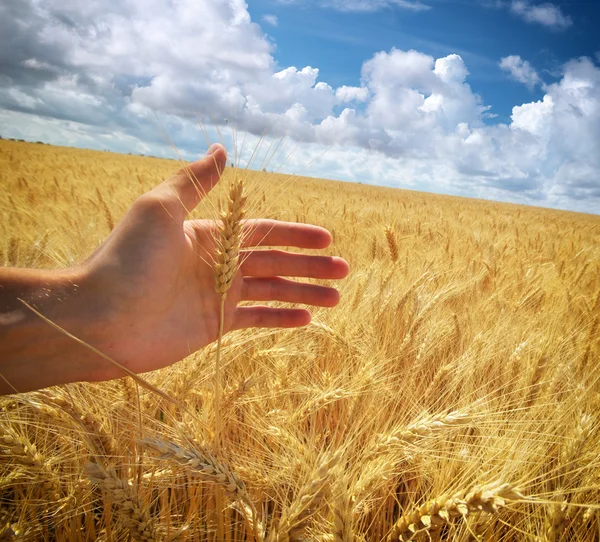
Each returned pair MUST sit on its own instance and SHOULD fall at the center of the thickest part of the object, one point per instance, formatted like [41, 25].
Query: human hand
[151, 284]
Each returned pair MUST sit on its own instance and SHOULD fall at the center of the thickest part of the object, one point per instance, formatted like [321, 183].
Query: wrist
[33, 353]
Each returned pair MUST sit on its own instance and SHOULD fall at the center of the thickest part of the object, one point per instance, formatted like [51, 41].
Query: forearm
[34, 354]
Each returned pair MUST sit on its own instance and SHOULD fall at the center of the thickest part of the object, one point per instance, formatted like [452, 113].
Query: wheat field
[453, 394]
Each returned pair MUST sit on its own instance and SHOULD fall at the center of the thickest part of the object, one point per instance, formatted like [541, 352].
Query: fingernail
[213, 148]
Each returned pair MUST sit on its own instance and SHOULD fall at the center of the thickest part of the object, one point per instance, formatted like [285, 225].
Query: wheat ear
[436, 513]
[379, 460]
[102, 443]
[238, 391]
[133, 515]
[230, 236]
[202, 463]
[319, 402]
[21, 451]
[420, 429]
[342, 508]
[390, 237]
[294, 519]
[107, 214]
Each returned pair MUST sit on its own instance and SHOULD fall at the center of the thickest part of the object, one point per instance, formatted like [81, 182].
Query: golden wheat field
[453, 394]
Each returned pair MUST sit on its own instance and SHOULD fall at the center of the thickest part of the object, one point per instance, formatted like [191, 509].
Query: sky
[493, 99]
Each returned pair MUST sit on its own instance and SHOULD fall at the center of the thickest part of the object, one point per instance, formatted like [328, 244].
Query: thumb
[193, 181]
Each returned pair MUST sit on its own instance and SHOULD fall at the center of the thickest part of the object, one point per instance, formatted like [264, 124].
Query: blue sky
[496, 99]
[338, 42]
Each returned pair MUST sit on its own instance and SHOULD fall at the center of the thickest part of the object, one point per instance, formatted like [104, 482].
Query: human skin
[146, 297]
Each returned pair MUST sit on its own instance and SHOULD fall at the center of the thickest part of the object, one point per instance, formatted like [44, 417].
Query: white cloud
[411, 5]
[270, 19]
[345, 94]
[363, 5]
[521, 70]
[374, 5]
[534, 117]
[547, 14]
[103, 78]
[413, 93]
[278, 92]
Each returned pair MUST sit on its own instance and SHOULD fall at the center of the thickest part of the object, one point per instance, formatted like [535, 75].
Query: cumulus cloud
[547, 14]
[412, 93]
[521, 70]
[550, 149]
[346, 94]
[99, 74]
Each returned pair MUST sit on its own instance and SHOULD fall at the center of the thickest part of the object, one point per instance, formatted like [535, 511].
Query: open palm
[154, 275]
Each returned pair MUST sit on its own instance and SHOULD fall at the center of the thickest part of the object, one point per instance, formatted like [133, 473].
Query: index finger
[266, 232]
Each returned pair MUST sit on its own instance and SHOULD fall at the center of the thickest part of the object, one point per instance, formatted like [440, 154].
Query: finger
[289, 291]
[260, 316]
[192, 182]
[264, 232]
[278, 263]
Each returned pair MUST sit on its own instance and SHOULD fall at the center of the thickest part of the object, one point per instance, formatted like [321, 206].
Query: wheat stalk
[227, 262]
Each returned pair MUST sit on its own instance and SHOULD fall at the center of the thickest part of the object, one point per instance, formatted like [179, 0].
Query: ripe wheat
[467, 354]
